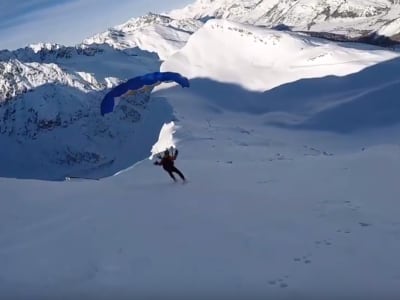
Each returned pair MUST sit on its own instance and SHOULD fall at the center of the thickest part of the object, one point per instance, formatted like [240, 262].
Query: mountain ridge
[351, 18]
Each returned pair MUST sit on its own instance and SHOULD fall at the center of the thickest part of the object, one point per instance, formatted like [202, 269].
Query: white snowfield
[290, 146]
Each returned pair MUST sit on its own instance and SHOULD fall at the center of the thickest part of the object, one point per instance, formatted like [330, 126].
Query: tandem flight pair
[147, 81]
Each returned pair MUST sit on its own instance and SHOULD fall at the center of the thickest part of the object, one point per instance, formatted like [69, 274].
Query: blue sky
[68, 22]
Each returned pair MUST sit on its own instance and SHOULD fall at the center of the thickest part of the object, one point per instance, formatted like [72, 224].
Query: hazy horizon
[68, 22]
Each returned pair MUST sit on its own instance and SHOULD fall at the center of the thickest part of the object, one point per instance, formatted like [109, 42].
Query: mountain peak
[156, 33]
[44, 46]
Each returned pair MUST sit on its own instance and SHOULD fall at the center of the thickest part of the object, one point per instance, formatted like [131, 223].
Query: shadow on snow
[364, 100]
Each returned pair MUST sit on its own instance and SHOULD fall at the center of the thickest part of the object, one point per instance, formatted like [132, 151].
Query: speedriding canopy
[137, 83]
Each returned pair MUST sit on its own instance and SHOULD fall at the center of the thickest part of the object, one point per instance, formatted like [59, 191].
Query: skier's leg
[172, 175]
[169, 170]
[179, 173]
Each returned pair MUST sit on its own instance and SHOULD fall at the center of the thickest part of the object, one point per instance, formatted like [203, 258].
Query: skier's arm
[157, 163]
[176, 154]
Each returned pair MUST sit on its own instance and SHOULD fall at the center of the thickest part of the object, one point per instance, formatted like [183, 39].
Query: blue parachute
[148, 80]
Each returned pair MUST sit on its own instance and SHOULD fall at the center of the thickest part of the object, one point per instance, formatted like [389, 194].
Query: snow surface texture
[293, 181]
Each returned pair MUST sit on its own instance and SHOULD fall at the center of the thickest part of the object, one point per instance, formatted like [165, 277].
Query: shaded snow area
[290, 147]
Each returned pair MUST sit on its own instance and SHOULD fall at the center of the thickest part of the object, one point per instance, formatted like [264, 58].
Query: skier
[167, 162]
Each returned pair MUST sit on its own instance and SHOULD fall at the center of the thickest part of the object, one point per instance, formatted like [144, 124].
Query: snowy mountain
[303, 82]
[50, 105]
[52, 92]
[50, 97]
[351, 18]
[154, 33]
[266, 58]
[289, 143]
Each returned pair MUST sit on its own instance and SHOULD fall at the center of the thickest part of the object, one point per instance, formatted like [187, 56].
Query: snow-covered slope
[290, 145]
[288, 79]
[266, 58]
[353, 18]
[268, 212]
[155, 33]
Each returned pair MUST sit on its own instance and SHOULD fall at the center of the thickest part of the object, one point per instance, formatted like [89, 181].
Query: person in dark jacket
[167, 162]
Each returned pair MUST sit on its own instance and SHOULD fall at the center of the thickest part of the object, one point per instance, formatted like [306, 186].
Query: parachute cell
[137, 83]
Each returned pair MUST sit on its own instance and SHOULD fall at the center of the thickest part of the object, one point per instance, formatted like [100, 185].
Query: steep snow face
[154, 33]
[266, 58]
[351, 17]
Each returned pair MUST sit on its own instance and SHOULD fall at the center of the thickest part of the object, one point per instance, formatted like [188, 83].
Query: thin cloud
[69, 21]
[12, 13]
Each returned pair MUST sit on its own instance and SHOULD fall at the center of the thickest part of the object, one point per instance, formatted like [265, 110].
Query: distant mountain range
[376, 21]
